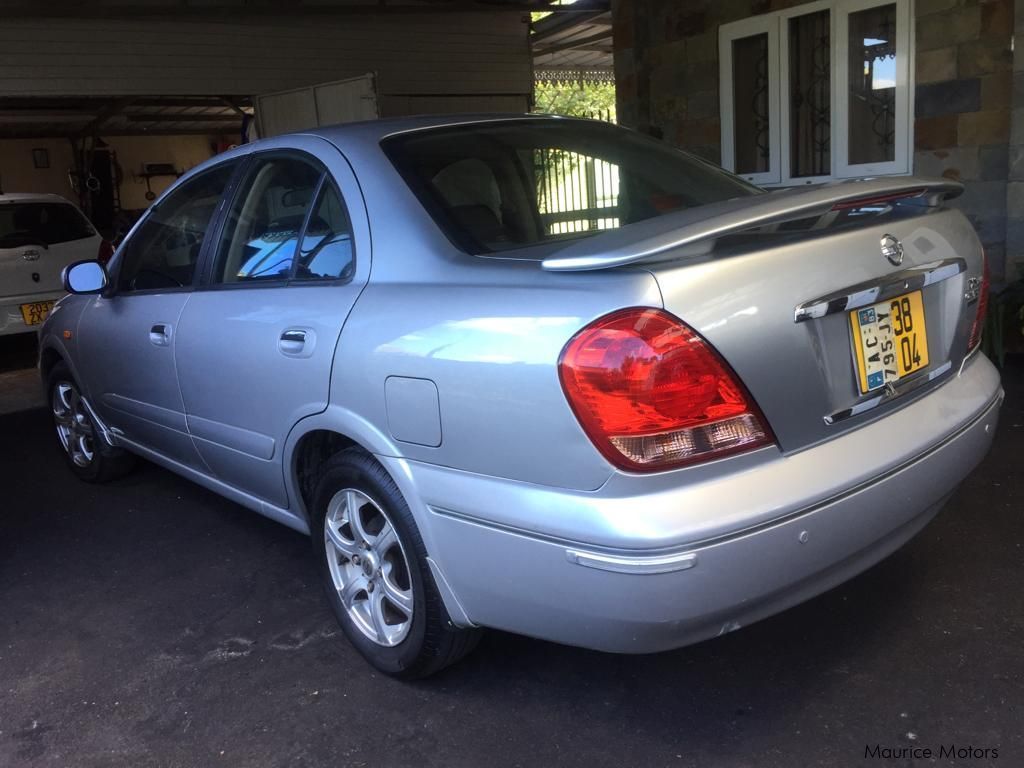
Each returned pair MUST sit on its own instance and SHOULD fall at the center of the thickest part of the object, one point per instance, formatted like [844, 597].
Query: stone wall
[666, 68]
[962, 108]
[1015, 188]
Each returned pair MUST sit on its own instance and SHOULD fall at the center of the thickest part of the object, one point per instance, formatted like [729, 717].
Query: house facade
[785, 93]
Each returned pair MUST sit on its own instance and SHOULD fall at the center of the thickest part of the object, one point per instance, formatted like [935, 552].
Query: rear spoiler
[646, 240]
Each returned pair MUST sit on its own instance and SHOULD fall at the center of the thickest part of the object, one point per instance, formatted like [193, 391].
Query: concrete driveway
[149, 622]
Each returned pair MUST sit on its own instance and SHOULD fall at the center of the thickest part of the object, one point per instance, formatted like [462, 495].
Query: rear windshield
[511, 184]
[41, 224]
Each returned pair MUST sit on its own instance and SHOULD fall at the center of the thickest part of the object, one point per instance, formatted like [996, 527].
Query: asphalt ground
[150, 622]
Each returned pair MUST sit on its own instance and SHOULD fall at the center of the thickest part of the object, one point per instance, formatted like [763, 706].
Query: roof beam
[553, 25]
[569, 45]
[105, 115]
[190, 117]
[183, 101]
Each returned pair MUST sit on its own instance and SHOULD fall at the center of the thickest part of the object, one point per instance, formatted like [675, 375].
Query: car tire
[374, 567]
[89, 457]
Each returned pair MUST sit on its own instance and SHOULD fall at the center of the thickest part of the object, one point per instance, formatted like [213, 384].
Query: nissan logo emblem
[892, 249]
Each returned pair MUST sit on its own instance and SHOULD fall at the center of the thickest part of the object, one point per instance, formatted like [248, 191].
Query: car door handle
[294, 342]
[160, 334]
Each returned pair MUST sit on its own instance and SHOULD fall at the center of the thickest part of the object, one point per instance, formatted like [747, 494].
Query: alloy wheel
[368, 567]
[74, 427]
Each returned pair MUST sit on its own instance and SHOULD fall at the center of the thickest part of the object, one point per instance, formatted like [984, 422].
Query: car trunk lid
[772, 285]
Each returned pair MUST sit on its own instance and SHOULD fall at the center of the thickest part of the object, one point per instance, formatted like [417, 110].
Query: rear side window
[261, 231]
[326, 252]
[163, 252]
[41, 224]
[502, 185]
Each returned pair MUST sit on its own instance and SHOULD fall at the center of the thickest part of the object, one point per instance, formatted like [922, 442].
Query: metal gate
[576, 193]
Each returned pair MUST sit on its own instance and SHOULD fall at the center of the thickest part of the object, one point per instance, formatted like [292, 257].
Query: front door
[126, 339]
[256, 344]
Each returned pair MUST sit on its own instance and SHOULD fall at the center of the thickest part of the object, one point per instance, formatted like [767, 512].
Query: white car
[39, 236]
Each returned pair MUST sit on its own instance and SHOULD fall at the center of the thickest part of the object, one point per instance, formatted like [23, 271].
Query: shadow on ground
[149, 622]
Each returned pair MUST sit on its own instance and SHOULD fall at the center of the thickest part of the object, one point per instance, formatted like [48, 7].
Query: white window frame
[776, 25]
[755, 25]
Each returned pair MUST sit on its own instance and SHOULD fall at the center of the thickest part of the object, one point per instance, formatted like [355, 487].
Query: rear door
[125, 340]
[38, 238]
[256, 343]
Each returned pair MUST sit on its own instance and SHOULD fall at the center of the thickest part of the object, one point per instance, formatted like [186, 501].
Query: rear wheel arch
[312, 451]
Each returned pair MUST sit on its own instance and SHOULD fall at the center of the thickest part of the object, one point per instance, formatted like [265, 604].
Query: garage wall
[19, 175]
[416, 56]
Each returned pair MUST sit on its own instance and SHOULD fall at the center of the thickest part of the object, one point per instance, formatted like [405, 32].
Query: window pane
[327, 245]
[509, 184]
[872, 98]
[164, 251]
[750, 103]
[35, 223]
[810, 110]
[575, 192]
[262, 228]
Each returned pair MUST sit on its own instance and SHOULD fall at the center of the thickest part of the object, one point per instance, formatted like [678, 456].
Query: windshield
[511, 184]
[41, 224]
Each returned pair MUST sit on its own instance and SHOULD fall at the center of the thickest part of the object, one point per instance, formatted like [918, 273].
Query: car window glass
[163, 252]
[41, 224]
[326, 251]
[501, 185]
[262, 228]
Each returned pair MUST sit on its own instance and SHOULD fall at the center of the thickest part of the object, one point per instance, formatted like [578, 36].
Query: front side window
[809, 96]
[164, 251]
[262, 228]
[502, 185]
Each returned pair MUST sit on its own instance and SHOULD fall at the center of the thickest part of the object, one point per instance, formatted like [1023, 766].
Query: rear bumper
[698, 580]
[11, 320]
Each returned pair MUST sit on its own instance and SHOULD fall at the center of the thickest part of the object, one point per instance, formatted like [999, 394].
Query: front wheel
[88, 458]
[374, 568]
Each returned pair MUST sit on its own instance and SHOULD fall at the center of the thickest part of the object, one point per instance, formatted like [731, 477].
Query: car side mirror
[84, 277]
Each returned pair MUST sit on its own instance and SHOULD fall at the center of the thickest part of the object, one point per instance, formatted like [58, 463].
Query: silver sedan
[542, 375]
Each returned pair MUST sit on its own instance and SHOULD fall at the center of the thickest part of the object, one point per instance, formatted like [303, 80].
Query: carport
[107, 104]
[152, 622]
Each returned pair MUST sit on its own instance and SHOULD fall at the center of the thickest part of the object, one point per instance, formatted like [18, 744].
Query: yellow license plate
[36, 312]
[890, 340]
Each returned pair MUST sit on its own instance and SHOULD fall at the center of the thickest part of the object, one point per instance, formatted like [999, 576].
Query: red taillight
[979, 317]
[652, 394]
[105, 252]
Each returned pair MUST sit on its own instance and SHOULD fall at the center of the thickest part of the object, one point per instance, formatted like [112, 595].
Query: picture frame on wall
[41, 158]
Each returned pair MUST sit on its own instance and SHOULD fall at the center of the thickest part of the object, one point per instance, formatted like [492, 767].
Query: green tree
[575, 99]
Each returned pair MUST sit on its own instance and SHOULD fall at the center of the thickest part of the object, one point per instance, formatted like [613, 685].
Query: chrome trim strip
[864, 294]
[638, 565]
[888, 394]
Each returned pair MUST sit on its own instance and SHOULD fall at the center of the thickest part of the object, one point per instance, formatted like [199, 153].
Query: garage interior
[151, 622]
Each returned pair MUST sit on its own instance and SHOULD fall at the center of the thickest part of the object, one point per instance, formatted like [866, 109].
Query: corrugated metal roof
[73, 116]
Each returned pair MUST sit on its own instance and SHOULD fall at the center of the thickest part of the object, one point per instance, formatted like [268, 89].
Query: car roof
[32, 197]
